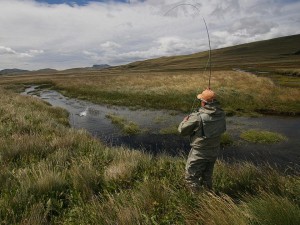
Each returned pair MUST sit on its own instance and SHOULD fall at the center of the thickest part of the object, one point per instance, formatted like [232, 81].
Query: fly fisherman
[204, 128]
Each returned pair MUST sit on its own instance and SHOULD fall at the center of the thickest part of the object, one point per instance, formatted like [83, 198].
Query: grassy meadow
[171, 90]
[52, 174]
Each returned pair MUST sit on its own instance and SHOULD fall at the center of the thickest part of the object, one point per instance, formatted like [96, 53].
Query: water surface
[151, 122]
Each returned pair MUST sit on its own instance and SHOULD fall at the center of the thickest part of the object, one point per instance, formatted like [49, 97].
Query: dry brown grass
[238, 91]
[162, 83]
[156, 82]
[125, 163]
[216, 210]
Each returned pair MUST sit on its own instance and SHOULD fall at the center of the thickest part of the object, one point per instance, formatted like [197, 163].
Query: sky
[61, 34]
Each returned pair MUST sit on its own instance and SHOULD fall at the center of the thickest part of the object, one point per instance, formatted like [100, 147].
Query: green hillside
[273, 54]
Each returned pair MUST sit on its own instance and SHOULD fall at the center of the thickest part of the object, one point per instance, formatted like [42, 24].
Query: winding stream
[92, 117]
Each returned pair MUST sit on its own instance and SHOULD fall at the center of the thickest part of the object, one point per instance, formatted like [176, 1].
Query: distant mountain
[94, 68]
[46, 70]
[101, 66]
[12, 71]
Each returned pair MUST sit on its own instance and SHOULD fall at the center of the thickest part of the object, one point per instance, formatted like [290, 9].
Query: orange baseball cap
[207, 95]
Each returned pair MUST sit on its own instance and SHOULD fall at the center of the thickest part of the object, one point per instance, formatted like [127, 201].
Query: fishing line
[209, 52]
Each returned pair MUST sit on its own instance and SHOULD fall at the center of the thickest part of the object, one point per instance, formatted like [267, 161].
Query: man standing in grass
[205, 128]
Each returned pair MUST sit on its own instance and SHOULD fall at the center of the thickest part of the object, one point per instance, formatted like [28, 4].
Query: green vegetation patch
[226, 139]
[128, 127]
[262, 137]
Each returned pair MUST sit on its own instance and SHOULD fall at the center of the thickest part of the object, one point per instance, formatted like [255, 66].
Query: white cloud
[35, 35]
[31, 53]
[6, 50]
[110, 45]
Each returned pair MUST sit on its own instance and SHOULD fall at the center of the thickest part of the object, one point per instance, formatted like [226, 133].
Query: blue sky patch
[78, 2]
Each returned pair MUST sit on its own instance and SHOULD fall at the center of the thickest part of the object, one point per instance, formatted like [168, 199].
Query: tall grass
[52, 174]
[270, 209]
[212, 209]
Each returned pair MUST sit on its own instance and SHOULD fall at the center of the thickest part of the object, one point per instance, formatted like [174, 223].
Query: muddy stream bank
[158, 131]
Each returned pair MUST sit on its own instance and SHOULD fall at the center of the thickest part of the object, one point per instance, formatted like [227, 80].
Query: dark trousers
[199, 171]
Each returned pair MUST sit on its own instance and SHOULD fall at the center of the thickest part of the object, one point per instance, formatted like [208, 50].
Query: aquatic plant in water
[262, 137]
[128, 127]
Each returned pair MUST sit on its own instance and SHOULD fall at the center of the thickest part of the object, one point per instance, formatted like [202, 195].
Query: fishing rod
[209, 53]
[208, 37]
[207, 32]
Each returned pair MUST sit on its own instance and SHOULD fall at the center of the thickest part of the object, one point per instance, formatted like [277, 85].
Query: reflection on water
[91, 117]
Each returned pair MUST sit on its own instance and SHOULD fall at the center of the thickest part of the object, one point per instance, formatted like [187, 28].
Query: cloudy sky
[60, 34]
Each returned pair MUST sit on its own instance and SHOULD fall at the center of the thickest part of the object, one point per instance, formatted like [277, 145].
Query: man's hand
[186, 118]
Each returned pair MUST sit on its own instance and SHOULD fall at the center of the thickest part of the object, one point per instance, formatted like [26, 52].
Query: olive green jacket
[205, 128]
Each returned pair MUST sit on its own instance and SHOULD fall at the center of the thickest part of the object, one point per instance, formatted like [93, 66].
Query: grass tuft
[128, 127]
[226, 139]
[270, 209]
[262, 137]
[212, 209]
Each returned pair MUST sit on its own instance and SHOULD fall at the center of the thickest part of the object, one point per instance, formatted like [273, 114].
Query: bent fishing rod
[208, 37]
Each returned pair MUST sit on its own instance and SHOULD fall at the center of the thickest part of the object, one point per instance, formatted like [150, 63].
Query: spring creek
[93, 118]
